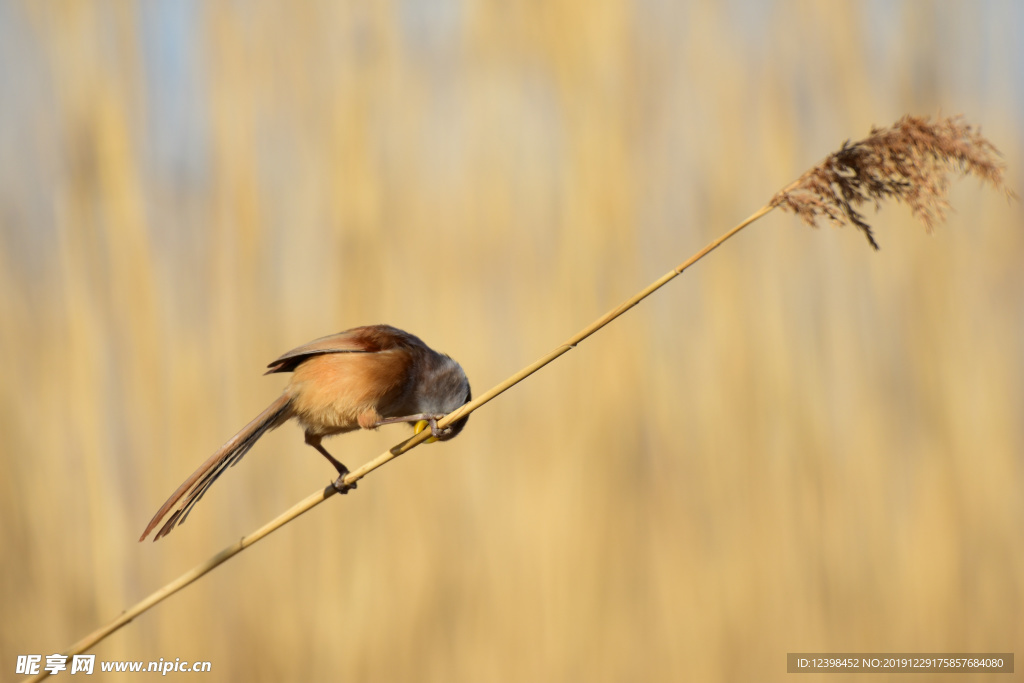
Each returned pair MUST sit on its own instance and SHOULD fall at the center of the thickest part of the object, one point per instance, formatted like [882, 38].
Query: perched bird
[364, 377]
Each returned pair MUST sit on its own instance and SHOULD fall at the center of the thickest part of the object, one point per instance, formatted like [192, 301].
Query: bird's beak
[420, 426]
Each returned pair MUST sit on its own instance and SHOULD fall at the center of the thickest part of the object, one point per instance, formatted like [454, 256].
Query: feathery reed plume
[909, 162]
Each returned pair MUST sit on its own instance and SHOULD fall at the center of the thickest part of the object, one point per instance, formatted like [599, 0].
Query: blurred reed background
[800, 445]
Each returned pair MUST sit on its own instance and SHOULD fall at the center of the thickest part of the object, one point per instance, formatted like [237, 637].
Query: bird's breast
[330, 391]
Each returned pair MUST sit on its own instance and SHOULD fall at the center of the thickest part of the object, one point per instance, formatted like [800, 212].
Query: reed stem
[387, 456]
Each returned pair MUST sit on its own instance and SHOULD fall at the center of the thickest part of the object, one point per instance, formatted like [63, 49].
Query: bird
[364, 377]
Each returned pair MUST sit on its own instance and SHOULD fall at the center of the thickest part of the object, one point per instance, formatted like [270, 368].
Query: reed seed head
[909, 161]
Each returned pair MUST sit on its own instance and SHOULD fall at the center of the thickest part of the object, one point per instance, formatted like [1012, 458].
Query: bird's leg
[314, 441]
[339, 483]
[429, 418]
[408, 418]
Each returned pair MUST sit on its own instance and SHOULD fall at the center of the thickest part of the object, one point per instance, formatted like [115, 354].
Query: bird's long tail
[193, 488]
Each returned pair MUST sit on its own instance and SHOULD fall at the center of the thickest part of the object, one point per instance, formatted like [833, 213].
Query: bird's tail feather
[193, 488]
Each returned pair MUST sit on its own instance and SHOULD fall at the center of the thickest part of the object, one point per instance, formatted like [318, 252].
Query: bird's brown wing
[368, 339]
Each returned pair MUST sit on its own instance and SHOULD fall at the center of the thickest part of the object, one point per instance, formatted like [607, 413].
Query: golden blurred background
[800, 445]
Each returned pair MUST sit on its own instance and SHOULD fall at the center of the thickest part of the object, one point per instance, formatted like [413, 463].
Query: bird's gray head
[449, 386]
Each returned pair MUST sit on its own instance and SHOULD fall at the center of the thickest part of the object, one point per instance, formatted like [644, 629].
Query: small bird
[364, 377]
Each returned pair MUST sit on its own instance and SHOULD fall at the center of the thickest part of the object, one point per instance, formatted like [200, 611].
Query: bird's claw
[340, 486]
[436, 431]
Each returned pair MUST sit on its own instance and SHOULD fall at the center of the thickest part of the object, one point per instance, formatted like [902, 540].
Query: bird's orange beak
[420, 426]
